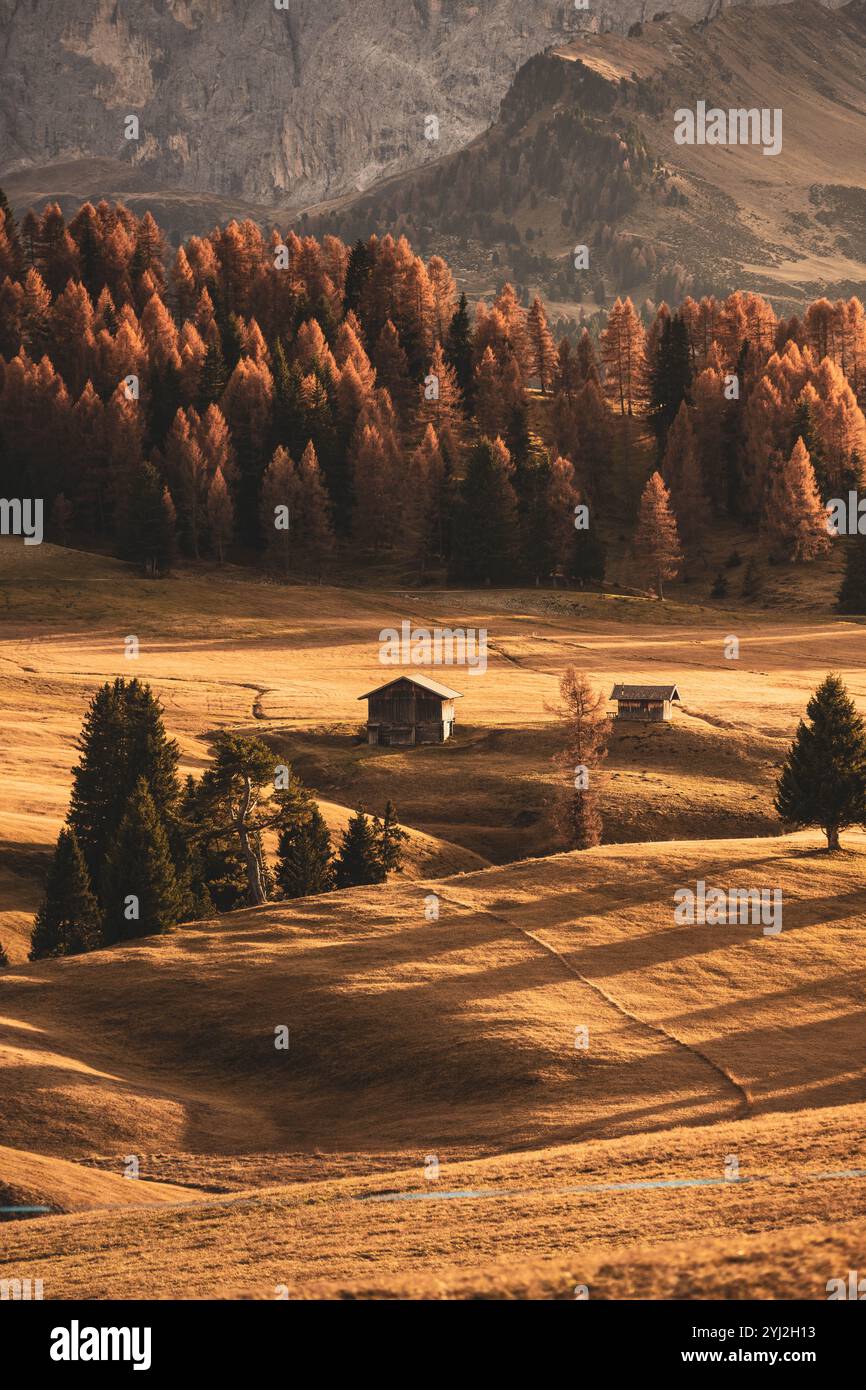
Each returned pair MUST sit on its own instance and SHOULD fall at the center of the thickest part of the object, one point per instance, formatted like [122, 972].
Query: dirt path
[656, 1028]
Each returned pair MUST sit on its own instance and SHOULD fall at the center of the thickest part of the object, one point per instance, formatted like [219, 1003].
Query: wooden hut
[651, 703]
[409, 710]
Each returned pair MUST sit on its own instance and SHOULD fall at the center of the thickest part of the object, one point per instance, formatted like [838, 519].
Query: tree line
[300, 402]
[142, 851]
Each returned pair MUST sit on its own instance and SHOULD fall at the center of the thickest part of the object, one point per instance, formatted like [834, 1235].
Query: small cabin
[650, 703]
[409, 710]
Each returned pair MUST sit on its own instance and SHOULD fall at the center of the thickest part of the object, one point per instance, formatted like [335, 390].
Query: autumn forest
[301, 403]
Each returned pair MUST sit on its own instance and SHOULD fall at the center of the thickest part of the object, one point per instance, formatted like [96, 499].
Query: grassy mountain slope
[583, 152]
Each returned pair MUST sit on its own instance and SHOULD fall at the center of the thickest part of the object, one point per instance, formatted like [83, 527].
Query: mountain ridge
[245, 111]
[583, 152]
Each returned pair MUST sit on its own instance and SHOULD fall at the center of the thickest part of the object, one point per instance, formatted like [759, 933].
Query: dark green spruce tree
[823, 781]
[852, 591]
[147, 526]
[67, 923]
[588, 557]
[304, 857]
[360, 858]
[486, 538]
[122, 740]
[140, 891]
[670, 377]
[357, 274]
[391, 839]
[458, 349]
[532, 486]
[214, 378]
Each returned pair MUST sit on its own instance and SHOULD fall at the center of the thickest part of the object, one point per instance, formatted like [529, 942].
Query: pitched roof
[645, 692]
[424, 681]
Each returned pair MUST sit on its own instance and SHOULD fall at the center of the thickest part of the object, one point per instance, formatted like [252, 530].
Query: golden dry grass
[288, 663]
[453, 1038]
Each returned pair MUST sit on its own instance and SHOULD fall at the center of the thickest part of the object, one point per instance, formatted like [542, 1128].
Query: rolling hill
[307, 1172]
[456, 1039]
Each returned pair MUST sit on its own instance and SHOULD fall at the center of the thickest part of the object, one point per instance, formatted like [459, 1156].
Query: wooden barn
[408, 710]
[652, 703]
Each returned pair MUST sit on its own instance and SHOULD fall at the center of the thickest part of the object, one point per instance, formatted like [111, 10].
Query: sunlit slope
[32, 1179]
[407, 1033]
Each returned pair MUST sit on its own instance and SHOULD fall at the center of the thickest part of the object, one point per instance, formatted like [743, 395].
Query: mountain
[583, 152]
[243, 108]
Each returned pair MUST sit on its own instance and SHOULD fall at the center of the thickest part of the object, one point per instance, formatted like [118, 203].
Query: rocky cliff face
[253, 103]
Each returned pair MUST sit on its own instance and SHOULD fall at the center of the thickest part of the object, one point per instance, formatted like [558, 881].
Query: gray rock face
[274, 106]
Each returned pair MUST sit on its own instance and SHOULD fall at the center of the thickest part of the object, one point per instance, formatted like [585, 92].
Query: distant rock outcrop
[242, 103]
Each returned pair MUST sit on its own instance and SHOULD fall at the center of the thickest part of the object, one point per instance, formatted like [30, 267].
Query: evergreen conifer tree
[486, 541]
[147, 530]
[122, 740]
[458, 349]
[823, 781]
[67, 922]
[304, 858]
[140, 892]
[391, 840]
[670, 377]
[360, 857]
[852, 591]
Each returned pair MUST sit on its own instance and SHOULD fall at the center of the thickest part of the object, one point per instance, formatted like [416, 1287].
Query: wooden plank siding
[404, 714]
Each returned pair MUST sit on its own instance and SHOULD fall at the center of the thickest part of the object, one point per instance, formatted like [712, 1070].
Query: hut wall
[406, 715]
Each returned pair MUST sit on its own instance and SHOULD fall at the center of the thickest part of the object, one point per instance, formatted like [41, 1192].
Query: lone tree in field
[140, 894]
[823, 781]
[586, 728]
[360, 858]
[246, 791]
[657, 541]
[304, 857]
[67, 923]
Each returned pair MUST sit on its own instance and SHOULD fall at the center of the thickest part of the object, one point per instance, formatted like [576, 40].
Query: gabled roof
[645, 692]
[423, 681]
